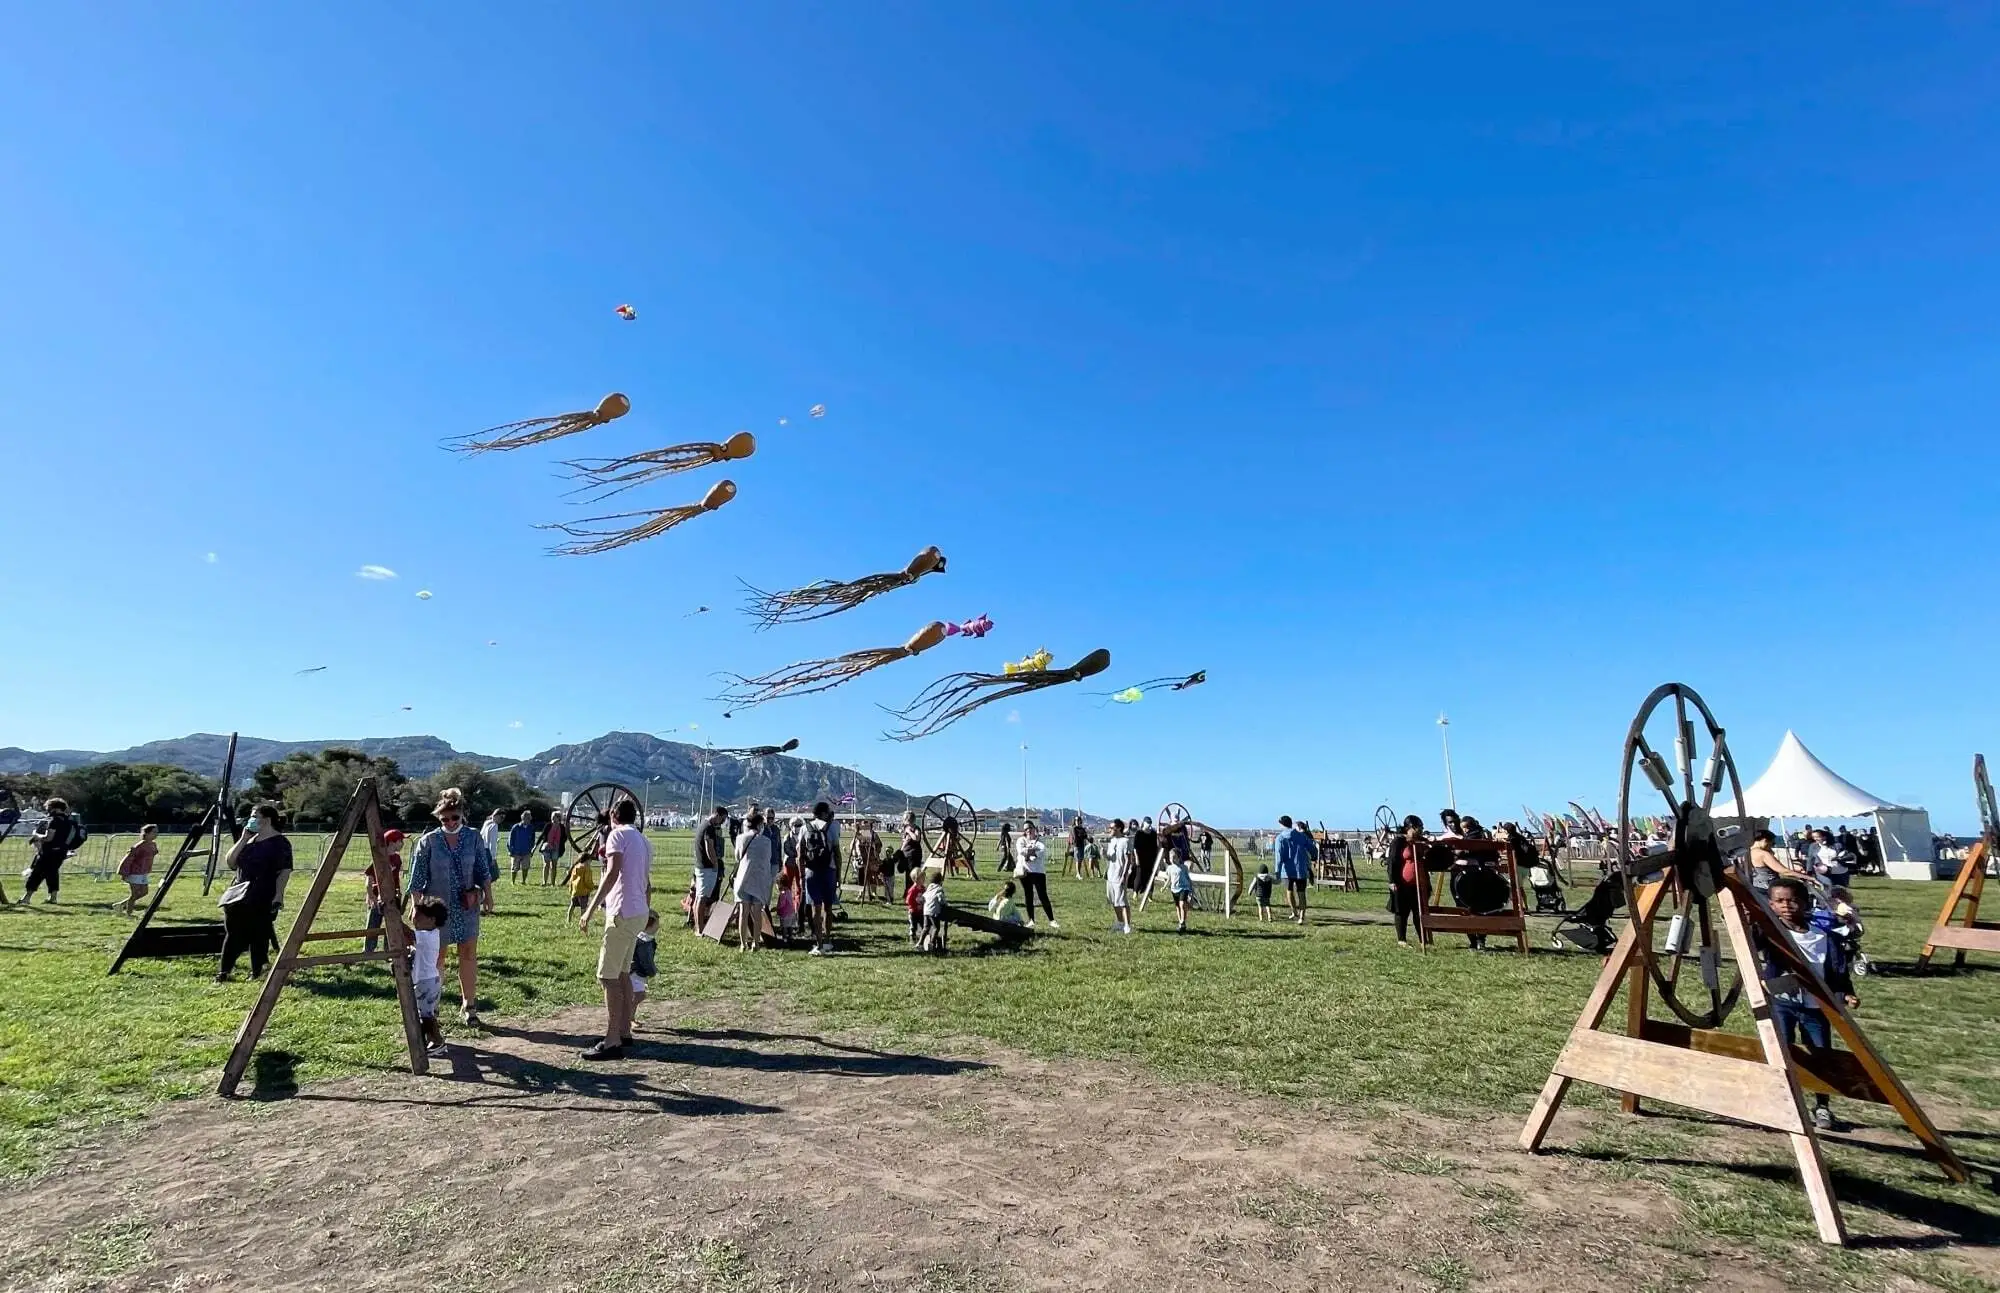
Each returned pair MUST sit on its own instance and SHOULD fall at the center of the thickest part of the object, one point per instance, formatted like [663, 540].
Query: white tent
[1797, 785]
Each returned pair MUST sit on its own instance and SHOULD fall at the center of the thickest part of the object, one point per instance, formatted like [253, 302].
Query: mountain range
[668, 772]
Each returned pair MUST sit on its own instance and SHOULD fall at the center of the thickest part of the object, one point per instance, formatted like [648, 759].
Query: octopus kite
[603, 477]
[951, 698]
[1138, 690]
[827, 597]
[761, 751]
[824, 675]
[519, 435]
[656, 522]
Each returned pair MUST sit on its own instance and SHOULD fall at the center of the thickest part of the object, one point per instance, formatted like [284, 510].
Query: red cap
[392, 837]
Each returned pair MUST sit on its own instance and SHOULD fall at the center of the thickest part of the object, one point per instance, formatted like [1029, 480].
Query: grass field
[1339, 1019]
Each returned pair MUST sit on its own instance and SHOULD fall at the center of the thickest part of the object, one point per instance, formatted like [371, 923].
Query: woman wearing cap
[452, 863]
[392, 843]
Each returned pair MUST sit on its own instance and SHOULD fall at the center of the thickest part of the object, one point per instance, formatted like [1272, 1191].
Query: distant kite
[951, 698]
[423, 594]
[603, 477]
[699, 610]
[824, 675]
[656, 522]
[762, 751]
[827, 597]
[816, 411]
[318, 668]
[518, 435]
[973, 628]
[626, 313]
[1137, 690]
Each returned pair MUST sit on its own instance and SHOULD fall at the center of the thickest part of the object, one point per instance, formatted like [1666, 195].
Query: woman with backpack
[61, 835]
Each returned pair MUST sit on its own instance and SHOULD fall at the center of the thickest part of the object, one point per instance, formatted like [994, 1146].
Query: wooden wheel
[950, 826]
[1694, 860]
[1174, 815]
[580, 818]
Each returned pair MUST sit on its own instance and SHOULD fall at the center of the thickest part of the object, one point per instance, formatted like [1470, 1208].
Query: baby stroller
[1589, 928]
[1839, 919]
[1547, 888]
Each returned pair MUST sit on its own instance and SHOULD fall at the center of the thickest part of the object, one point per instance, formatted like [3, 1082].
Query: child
[391, 839]
[1003, 908]
[645, 964]
[137, 868]
[1261, 886]
[1181, 885]
[428, 915]
[788, 900]
[913, 898]
[933, 932]
[1844, 923]
[1797, 1014]
[582, 883]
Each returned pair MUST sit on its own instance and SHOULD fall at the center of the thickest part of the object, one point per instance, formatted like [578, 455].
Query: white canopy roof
[1797, 784]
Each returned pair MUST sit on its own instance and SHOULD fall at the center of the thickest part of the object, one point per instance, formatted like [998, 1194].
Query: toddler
[788, 900]
[137, 868]
[1003, 908]
[391, 839]
[1181, 885]
[428, 915]
[645, 963]
[582, 884]
[1261, 886]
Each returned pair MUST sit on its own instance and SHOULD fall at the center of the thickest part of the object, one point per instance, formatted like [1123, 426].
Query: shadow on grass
[494, 1079]
[1909, 970]
[706, 1048]
[273, 1075]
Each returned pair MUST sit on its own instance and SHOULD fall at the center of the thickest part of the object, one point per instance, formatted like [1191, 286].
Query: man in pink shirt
[626, 896]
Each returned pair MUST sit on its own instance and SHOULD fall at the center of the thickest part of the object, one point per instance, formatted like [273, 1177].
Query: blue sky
[1383, 363]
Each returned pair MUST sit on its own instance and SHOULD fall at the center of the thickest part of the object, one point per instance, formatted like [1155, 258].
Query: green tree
[484, 792]
[313, 789]
[131, 794]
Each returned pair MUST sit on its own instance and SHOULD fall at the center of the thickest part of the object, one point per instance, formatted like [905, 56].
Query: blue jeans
[1794, 1019]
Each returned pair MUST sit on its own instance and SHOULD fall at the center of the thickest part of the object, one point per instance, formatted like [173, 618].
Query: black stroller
[1588, 928]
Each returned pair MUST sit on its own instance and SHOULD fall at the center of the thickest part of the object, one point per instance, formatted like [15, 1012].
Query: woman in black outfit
[259, 855]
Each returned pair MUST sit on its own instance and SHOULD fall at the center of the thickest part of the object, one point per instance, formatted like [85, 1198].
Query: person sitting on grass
[427, 917]
[1181, 885]
[1002, 906]
[1797, 1013]
[137, 868]
[1261, 886]
[581, 884]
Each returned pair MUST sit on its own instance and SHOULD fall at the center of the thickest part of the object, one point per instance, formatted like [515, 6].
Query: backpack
[78, 833]
[815, 850]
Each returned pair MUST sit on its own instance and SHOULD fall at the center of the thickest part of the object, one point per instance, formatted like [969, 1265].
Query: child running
[137, 868]
[1181, 885]
[1261, 886]
[582, 883]
[428, 915]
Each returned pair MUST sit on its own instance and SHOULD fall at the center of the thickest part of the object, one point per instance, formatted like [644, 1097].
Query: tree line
[311, 790]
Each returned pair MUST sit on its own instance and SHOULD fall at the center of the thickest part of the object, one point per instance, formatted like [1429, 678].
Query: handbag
[234, 894]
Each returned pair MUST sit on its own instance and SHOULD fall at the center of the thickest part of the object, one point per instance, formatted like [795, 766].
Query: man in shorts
[710, 847]
[626, 896]
[819, 856]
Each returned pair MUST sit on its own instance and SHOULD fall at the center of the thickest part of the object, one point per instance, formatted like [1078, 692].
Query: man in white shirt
[626, 895]
[1117, 864]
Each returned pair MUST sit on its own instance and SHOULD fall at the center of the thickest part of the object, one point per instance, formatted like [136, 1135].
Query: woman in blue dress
[453, 863]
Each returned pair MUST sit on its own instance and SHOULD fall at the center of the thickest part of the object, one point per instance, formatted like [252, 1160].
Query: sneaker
[603, 1051]
[469, 1017]
[1125, 930]
[1031, 924]
[437, 1051]
[1822, 1118]
[816, 951]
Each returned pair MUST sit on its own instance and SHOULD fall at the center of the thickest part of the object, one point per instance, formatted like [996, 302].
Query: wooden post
[1963, 932]
[362, 810]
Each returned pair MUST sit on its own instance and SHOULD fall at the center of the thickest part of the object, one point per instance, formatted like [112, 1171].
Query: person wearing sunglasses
[452, 863]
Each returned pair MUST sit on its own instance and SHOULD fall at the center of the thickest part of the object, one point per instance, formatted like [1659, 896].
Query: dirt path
[766, 1158]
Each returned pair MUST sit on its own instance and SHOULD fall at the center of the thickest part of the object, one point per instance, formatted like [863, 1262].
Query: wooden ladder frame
[1968, 933]
[1757, 1080]
[1436, 918]
[188, 938]
[363, 812]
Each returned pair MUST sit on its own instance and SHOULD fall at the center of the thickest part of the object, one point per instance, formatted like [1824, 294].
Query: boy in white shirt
[428, 915]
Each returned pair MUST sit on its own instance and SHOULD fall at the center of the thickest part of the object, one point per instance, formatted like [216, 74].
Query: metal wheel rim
[580, 818]
[958, 809]
[1681, 899]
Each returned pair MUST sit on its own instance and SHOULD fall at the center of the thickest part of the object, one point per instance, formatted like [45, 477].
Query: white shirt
[1028, 854]
[1117, 857]
[491, 834]
[424, 964]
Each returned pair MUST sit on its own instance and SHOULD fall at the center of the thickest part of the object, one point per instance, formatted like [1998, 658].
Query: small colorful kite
[976, 628]
[656, 522]
[824, 675]
[1035, 663]
[1138, 689]
[518, 435]
[603, 477]
[827, 597]
[951, 698]
[626, 313]
[1131, 695]
[816, 411]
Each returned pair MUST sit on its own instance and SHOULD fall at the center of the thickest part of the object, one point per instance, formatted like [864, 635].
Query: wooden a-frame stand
[363, 811]
[203, 839]
[1434, 917]
[1964, 932]
[1755, 1080]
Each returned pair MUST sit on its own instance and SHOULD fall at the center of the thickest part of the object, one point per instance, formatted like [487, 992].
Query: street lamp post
[1444, 731]
[1024, 781]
